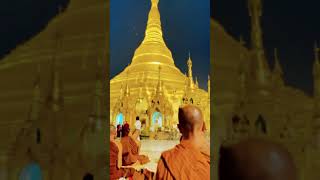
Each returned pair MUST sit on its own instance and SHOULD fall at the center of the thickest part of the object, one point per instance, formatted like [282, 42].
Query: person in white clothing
[138, 126]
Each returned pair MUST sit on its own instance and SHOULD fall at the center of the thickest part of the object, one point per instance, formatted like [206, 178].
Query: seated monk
[116, 169]
[190, 159]
[256, 159]
[135, 136]
[130, 151]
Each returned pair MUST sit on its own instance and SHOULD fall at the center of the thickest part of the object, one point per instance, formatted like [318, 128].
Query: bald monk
[131, 148]
[256, 159]
[189, 160]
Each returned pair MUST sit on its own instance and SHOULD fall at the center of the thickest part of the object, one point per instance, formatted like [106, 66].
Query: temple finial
[154, 2]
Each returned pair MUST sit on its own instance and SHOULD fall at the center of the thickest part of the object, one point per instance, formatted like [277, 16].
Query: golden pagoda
[152, 88]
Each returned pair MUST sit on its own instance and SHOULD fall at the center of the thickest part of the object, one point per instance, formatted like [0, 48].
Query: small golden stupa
[152, 88]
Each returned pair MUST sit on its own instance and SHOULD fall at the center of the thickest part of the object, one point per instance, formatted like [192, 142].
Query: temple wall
[82, 28]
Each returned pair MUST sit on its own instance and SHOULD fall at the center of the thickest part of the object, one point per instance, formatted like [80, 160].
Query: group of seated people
[177, 163]
[251, 159]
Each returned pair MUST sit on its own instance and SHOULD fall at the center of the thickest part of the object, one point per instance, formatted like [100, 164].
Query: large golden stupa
[152, 87]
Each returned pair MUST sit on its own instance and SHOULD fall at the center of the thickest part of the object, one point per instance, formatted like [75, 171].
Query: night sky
[186, 26]
[22, 19]
[290, 26]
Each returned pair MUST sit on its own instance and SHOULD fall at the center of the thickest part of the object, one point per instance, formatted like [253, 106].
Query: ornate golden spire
[277, 71]
[255, 12]
[153, 47]
[190, 76]
[261, 67]
[277, 67]
[197, 84]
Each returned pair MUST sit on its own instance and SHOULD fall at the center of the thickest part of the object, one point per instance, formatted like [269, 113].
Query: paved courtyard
[154, 148]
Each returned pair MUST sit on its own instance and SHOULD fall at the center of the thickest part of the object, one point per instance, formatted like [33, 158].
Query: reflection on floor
[154, 148]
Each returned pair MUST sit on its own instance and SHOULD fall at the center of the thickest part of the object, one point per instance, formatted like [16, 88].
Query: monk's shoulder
[172, 153]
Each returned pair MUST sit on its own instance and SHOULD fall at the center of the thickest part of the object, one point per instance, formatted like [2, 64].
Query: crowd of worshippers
[251, 159]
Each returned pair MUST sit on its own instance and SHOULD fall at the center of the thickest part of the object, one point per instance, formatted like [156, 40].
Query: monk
[190, 159]
[116, 169]
[130, 153]
[256, 159]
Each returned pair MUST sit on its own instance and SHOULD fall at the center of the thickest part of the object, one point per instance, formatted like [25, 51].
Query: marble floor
[154, 148]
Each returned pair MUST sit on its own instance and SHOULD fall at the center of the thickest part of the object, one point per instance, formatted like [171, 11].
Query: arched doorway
[157, 120]
[31, 171]
[88, 176]
[119, 119]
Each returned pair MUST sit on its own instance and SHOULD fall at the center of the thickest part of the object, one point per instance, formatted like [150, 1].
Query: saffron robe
[115, 172]
[184, 162]
[130, 152]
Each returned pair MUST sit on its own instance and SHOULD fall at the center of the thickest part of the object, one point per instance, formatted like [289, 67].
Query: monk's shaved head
[190, 119]
[256, 159]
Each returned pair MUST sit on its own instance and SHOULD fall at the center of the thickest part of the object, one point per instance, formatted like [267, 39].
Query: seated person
[135, 136]
[256, 159]
[190, 159]
[118, 171]
[130, 153]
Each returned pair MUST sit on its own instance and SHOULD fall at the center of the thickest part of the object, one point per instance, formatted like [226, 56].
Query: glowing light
[32, 171]
[119, 119]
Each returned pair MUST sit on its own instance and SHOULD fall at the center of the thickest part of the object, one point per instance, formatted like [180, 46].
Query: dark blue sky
[291, 26]
[185, 25]
[22, 19]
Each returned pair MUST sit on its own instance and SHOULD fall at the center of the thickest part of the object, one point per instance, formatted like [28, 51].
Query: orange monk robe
[130, 152]
[115, 172]
[184, 162]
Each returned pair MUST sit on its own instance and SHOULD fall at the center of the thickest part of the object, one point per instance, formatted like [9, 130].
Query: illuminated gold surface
[147, 83]
[246, 88]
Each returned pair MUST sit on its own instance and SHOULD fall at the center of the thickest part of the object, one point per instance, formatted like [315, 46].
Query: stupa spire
[190, 76]
[153, 47]
[261, 68]
[277, 66]
[277, 71]
[197, 83]
[154, 31]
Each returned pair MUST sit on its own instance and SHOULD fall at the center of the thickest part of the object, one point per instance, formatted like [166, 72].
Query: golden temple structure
[252, 100]
[152, 87]
[53, 102]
